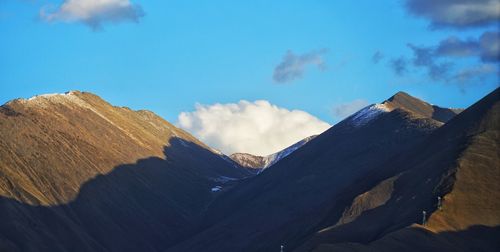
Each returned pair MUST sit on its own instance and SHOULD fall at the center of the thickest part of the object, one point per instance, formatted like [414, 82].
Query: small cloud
[439, 71]
[456, 14]
[422, 56]
[455, 47]
[377, 57]
[490, 46]
[293, 66]
[93, 13]
[475, 72]
[344, 110]
[425, 57]
[258, 127]
[399, 65]
[486, 49]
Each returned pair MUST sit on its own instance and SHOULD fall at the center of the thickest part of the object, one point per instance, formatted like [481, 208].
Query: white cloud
[344, 110]
[258, 128]
[457, 14]
[293, 66]
[94, 12]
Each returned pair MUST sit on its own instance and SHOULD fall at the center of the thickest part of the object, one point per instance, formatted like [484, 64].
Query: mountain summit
[79, 174]
[405, 101]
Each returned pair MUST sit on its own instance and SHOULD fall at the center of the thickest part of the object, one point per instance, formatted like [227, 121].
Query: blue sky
[175, 54]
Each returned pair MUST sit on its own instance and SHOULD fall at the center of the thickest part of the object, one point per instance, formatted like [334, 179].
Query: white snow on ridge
[66, 98]
[216, 188]
[367, 114]
[49, 95]
[273, 158]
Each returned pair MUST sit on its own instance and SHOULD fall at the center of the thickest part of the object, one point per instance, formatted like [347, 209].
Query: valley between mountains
[79, 174]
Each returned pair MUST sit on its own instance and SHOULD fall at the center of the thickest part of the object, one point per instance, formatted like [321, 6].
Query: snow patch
[47, 96]
[274, 158]
[367, 114]
[216, 188]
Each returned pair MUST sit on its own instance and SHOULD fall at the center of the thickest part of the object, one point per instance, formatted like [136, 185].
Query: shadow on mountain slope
[416, 238]
[307, 199]
[145, 206]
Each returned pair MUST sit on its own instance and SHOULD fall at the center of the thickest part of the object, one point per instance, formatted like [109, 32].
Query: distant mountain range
[78, 174]
[259, 163]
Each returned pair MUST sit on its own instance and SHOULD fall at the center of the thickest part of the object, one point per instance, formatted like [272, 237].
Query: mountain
[363, 184]
[459, 163]
[403, 101]
[78, 174]
[248, 161]
[262, 162]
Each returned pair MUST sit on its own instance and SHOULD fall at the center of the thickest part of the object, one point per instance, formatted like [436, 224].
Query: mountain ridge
[262, 162]
[80, 174]
[309, 188]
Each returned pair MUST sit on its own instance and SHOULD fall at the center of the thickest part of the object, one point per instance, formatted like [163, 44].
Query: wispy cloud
[377, 57]
[399, 65]
[437, 60]
[490, 46]
[475, 72]
[258, 127]
[457, 14]
[425, 57]
[93, 13]
[293, 66]
[487, 47]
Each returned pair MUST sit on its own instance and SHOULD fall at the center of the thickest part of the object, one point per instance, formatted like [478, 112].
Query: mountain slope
[79, 174]
[309, 190]
[262, 162]
[459, 163]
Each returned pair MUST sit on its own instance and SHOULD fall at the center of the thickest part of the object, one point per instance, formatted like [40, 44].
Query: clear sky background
[319, 56]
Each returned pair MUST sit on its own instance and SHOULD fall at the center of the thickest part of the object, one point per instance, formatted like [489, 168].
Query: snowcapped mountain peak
[263, 162]
[367, 114]
[44, 100]
[275, 157]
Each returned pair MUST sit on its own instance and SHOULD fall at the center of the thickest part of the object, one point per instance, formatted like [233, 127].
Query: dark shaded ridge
[475, 238]
[135, 207]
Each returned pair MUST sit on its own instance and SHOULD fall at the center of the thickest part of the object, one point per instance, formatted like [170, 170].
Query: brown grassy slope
[405, 101]
[475, 198]
[460, 161]
[51, 145]
[77, 174]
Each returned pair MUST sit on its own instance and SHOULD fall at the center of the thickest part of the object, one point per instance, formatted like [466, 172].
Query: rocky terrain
[78, 174]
